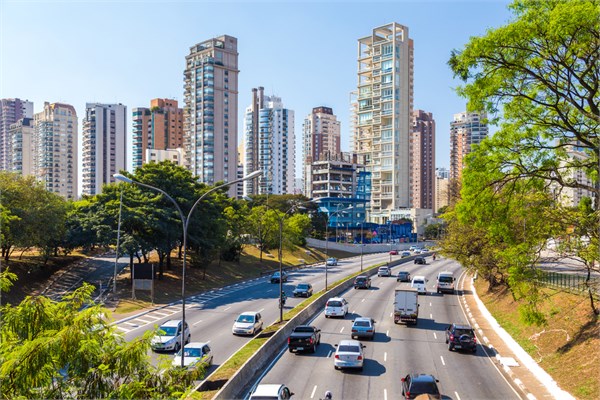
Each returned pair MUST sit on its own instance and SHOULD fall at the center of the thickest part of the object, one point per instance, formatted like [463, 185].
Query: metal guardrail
[576, 284]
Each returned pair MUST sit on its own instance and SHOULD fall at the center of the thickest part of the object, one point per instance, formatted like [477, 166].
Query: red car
[394, 252]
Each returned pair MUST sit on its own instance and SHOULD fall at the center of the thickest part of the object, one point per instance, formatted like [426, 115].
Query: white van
[445, 282]
[419, 282]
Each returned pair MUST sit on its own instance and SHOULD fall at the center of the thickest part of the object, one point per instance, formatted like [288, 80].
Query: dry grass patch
[568, 348]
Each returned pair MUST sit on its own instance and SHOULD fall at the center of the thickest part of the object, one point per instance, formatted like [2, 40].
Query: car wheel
[336, 367]
[177, 347]
[314, 349]
[326, 316]
[474, 349]
[450, 347]
[446, 340]
[360, 368]
[189, 339]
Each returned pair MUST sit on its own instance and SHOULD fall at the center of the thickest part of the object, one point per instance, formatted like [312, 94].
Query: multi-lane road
[395, 351]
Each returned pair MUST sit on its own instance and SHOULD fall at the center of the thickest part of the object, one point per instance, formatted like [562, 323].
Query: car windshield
[302, 286]
[334, 304]
[168, 330]
[403, 273]
[445, 279]
[418, 282]
[423, 387]
[460, 332]
[193, 352]
[362, 323]
[361, 279]
[245, 318]
[349, 348]
[303, 329]
[276, 274]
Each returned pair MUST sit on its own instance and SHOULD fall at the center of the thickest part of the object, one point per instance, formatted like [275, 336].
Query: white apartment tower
[11, 111]
[103, 145]
[384, 104]
[269, 145]
[210, 112]
[320, 138]
[21, 147]
[55, 149]
[467, 129]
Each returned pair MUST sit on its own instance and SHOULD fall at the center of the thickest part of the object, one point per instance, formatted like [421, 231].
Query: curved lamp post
[185, 222]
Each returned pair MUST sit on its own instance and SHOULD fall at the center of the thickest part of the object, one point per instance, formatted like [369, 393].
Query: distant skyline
[130, 52]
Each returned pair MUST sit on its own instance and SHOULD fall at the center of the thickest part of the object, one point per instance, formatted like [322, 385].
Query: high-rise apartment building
[11, 110]
[21, 146]
[320, 137]
[157, 131]
[422, 160]
[384, 105]
[103, 145]
[467, 129]
[55, 149]
[210, 112]
[269, 145]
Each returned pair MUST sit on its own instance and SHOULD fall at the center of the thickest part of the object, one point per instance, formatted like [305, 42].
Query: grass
[568, 347]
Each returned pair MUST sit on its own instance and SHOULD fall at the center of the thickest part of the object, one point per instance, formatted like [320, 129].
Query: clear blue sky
[303, 51]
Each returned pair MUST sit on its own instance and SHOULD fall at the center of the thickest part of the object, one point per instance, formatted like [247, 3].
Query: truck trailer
[406, 305]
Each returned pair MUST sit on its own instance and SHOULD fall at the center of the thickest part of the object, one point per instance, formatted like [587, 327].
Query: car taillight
[359, 358]
[337, 356]
[474, 339]
[408, 395]
[370, 330]
[288, 340]
[354, 330]
[310, 341]
[451, 337]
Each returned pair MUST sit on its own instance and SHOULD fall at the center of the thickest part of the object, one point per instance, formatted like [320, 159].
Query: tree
[61, 349]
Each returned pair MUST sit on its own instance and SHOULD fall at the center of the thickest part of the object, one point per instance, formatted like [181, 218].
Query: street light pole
[118, 240]
[185, 222]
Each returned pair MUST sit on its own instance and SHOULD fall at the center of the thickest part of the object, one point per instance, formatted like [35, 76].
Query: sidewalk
[517, 366]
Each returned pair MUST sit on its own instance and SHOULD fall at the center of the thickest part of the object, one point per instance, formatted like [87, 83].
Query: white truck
[406, 305]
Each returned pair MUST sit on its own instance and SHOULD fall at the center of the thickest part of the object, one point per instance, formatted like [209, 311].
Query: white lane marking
[385, 356]
[143, 320]
[227, 308]
[329, 354]
[196, 323]
[431, 316]
[312, 395]
[429, 304]
[387, 333]
[132, 324]
[362, 301]
[152, 317]
[161, 314]
[443, 360]
[391, 314]
[384, 394]
[353, 311]
[124, 329]
[457, 396]
[342, 330]
[261, 310]
[434, 335]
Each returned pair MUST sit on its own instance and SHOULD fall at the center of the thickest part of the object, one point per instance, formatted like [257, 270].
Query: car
[403, 276]
[336, 307]
[413, 247]
[349, 354]
[168, 336]
[303, 289]
[419, 282]
[247, 323]
[384, 271]
[362, 282]
[332, 261]
[271, 391]
[363, 327]
[194, 353]
[461, 337]
[406, 254]
[414, 385]
[420, 260]
[275, 277]
[393, 252]
[445, 282]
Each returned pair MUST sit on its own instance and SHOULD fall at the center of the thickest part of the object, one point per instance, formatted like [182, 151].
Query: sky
[129, 52]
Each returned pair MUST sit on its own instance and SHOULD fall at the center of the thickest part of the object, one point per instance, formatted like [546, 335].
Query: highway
[396, 349]
[211, 315]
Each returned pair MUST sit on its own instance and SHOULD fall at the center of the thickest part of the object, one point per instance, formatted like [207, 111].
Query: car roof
[268, 389]
[418, 277]
[384, 267]
[362, 319]
[403, 272]
[349, 342]
[446, 273]
[422, 377]
[194, 345]
[335, 299]
[172, 322]
[361, 276]
[249, 313]
[461, 326]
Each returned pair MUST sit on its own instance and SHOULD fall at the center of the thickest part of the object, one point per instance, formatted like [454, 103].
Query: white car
[247, 323]
[271, 392]
[332, 261]
[384, 271]
[349, 354]
[194, 353]
[336, 307]
[419, 282]
[168, 337]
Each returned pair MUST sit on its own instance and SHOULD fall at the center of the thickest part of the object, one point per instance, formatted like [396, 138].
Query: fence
[569, 282]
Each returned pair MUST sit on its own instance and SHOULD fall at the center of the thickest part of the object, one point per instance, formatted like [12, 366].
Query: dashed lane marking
[443, 363]
[385, 357]
[312, 395]
[196, 323]
[143, 320]
[342, 330]
[434, 335]
[457, 396]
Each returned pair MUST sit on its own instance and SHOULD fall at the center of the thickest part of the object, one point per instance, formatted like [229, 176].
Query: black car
[420, 260]
[414, 385]
[275, 277]
[403, 276]
[362, 282]
[303, 290]
[461, 337]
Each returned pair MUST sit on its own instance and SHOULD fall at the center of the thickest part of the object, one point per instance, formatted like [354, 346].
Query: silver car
[349, 354]
[363, 327]
[248, 323]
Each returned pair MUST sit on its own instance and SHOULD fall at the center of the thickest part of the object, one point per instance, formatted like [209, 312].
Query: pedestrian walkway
[516, 365]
